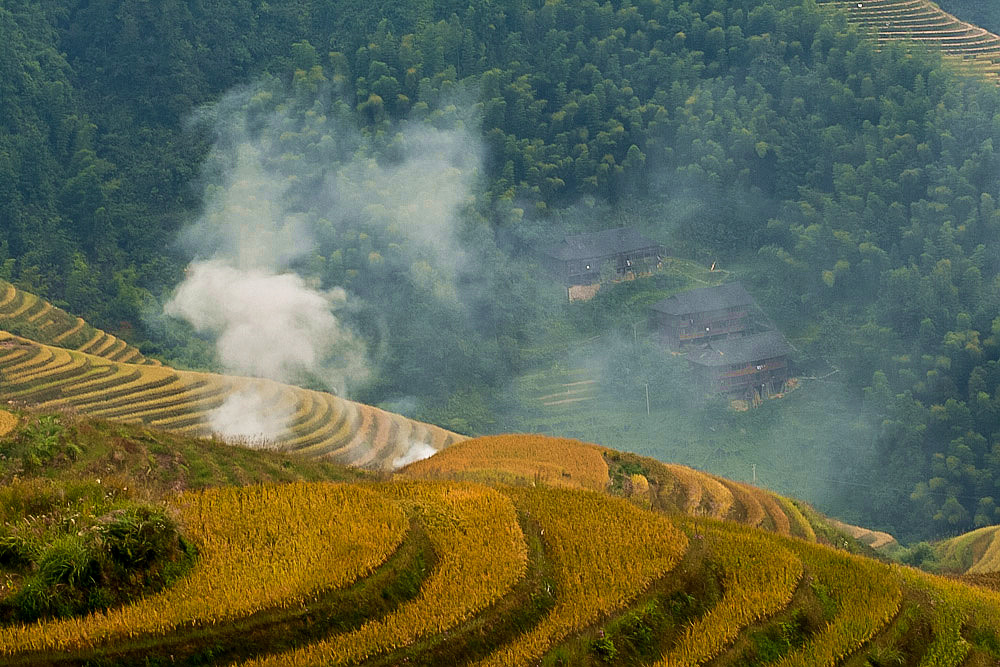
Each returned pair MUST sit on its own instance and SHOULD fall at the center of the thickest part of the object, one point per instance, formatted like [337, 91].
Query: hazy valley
[310, 311]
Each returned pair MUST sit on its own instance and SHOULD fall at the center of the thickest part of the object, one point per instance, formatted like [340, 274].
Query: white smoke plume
[261, 223]
[246, 418]
[421, 195]
[418, 451]
[266, 320]
[268, 325]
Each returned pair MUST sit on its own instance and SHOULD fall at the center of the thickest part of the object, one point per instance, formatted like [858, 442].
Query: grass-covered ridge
[69, 549]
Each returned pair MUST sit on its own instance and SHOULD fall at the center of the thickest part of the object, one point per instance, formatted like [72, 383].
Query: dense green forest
[855, 190]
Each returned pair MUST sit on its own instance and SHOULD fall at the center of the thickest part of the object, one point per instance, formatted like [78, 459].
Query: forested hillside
[854, 189]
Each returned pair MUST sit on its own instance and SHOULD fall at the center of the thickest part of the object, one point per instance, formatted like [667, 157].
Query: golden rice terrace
[596, 568]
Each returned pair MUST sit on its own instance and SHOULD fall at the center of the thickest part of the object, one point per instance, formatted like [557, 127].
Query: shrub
[44, 440]
[33, 601]
[604, 648]
[16, 551]
[69, 560]
[139, 535]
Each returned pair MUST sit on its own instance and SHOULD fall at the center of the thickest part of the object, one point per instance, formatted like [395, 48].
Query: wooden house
[705, 314]
[744, 366]
[581, 259]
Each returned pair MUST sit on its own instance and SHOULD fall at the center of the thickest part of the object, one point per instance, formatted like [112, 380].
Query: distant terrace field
[27, 315]
[319, 424]
[525, 459]
[972, 48]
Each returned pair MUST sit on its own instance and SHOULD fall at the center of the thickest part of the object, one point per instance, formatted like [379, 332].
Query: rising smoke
[418, 196]
[268, 324]
[418, 451]
[246, 417]
[284, 187]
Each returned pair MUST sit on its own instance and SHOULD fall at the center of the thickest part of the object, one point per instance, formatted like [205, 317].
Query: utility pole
[753, 466]
[647, 399]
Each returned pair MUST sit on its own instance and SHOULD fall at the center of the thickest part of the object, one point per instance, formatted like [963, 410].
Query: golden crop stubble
[261, 547]
[759, 579]
[481, 554]
[954, 605]
[867, 594]
[697, 485]
[606, 551]
[8, 422]
[746, 496]
[798, 523]
[554, 461]
[990, 560]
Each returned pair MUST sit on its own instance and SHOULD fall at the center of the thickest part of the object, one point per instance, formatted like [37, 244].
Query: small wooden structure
[580, 259]
[705, 314]
[745, 365]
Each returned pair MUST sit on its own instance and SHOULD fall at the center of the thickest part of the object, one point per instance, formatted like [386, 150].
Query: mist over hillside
[400, 167]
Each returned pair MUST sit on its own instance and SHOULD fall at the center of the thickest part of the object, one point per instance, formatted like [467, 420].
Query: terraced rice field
[461, 521]
[255, 554]
[27, 315]
[509, 576]
[7, 422]
[759, 579]
[976, 552]
[873, 538]
[315, 423]
[576, 391]
[542, 460]
[605, 552]
[921, 22]
[677, 488]
[519, 458]
[560, 395]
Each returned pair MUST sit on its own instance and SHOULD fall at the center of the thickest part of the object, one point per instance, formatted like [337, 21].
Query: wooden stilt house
[705, 314]
[743, 366]
[584, 259]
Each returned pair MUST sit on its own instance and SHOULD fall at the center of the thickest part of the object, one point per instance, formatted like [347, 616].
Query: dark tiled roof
[600, 244]
[756, 347]
[704, 299]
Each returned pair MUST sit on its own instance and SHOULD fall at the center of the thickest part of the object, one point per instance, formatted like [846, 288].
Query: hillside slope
[974, 553]
[974, 48]
[28, 315]
[312, 423]
[669, 488]
[461, 573]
